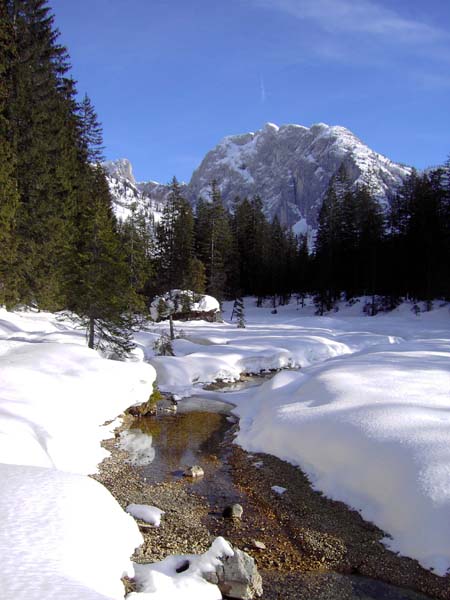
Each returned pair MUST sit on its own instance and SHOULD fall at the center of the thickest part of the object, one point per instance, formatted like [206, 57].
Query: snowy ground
[62, 533]
[367, 416]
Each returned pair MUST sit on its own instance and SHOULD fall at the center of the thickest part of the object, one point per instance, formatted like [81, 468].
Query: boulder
[237, 577]
[194, 471]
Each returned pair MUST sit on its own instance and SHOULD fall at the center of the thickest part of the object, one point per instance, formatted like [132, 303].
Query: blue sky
[170, 78]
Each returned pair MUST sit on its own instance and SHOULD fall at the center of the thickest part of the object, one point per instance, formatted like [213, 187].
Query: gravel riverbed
[314, 547]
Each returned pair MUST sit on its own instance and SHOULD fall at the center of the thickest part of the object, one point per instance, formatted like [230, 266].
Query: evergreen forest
[62, 248]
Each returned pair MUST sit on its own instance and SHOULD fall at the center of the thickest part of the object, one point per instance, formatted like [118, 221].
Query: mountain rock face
[129, 195]
[289, 167]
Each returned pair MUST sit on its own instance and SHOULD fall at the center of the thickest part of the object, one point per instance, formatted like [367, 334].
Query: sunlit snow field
[367, 417]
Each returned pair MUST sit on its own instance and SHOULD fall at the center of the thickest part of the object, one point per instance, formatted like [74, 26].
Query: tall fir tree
[9, 196]
[214, 242]
[44, 140]
[175, 243]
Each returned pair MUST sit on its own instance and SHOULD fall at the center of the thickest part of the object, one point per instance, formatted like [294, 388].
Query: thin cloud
[262, 89]
[357, 16]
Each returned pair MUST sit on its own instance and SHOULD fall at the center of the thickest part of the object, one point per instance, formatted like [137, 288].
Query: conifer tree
[214, 242]
[175, 243]
[137, 244]
[239, 312]
[44, 141]
[9, 196]
[103, 294]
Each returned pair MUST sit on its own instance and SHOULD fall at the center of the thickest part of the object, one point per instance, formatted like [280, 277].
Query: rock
[167, 405]
[194, 471]
[237, 577]
[258, 545]
[234, 511]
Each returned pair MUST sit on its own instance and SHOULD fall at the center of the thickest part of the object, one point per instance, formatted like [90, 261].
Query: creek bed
[316, 549]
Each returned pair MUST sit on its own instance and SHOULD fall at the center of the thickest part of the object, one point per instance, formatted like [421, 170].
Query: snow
[173, 300]
[367, 416]
[161, 581]
[149, 514]
[278, 489]
[60, 529]
[59, 536]
[63, 534]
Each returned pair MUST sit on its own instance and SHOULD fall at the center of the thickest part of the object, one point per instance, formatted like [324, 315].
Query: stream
[201, 432]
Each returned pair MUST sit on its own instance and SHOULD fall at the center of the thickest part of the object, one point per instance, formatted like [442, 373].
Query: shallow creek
[294, 565]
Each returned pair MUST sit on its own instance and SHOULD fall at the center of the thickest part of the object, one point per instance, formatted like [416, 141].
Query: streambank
[313, 547]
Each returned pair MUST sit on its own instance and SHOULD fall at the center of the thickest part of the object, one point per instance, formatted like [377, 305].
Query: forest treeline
[63, 249]
[361, 248]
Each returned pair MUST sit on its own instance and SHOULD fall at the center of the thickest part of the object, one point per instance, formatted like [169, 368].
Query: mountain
[289, 167]
[128, 194]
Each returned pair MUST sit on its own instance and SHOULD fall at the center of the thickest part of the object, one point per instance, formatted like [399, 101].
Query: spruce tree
[102, 291]
[239, 312]
[214, 242]
[44, 141]
[175, 243]
[9, 196]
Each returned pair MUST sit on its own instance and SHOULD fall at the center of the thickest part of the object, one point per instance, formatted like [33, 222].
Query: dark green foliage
[43, 124]
[101, 292]
[175, 244]
[137, 244]
[239, 312]
[9, 196]
[214, 242]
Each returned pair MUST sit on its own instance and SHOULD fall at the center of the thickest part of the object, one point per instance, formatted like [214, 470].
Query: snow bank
[367, 417]
[50, 392]
[62, 533]
[371, 430]
[62, 536]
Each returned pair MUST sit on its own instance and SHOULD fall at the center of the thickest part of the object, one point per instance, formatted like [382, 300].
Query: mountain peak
[120, 169]
[288, 166]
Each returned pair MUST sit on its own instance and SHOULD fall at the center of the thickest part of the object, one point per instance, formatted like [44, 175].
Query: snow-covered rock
[289, 167]
[182, 304]
[129, 195]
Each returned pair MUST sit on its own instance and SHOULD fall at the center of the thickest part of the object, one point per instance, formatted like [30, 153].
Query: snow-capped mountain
[289, 167]
[129, 195]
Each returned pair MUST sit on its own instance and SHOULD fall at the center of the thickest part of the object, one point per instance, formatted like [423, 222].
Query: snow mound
[60, 529]
[59, 537]
[372, 430]
[149, 514]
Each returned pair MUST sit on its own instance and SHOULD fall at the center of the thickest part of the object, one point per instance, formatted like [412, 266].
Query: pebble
[234, 511]
[194, 471]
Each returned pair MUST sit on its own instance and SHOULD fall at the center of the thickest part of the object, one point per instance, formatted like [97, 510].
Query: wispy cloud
[262, 89]
[367, 34]
[358, 16]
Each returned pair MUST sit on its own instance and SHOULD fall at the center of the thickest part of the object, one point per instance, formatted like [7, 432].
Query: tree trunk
[91, 339]
[172, 333]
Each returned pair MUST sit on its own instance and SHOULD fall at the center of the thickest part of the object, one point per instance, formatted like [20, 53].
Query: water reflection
[180, 441]
[138, 444]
